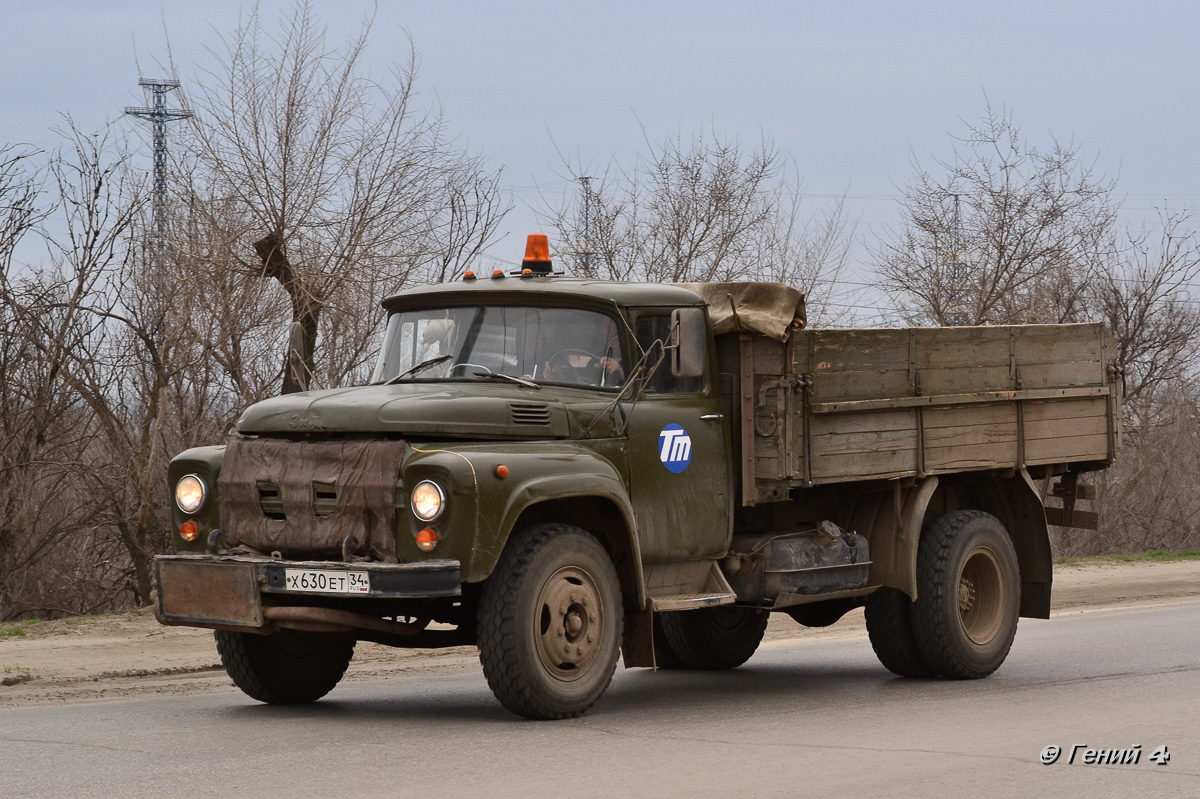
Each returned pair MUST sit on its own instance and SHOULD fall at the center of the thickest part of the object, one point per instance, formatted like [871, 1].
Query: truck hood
[469, 410]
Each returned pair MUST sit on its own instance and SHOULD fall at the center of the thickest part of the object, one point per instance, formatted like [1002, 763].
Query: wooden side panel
[862, 404]
[856, 446]
[1066, 430]
[970, 437]
[960, 360]
[772, 410]
[1053, 355]
[856, 364]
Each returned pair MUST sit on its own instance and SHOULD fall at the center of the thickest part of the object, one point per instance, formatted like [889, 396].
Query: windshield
[565, 346]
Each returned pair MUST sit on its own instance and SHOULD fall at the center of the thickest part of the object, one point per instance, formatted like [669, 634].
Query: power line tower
[956, 270]
[159, 115]
[583, 247]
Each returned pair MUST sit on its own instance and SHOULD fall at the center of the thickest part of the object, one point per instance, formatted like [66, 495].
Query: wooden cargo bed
[828, 406]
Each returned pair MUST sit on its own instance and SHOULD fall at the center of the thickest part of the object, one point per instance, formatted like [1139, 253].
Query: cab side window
[653, 326]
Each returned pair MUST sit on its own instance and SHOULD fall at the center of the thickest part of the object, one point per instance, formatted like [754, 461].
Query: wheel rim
[570, 623]
[981, 595]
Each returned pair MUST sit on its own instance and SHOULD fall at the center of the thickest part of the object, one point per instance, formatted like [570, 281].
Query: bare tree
[76, 435]
[1002, 232]
[20, 187]
[1143, 298]
[334, 185]
[1148, 498]
[701, 210]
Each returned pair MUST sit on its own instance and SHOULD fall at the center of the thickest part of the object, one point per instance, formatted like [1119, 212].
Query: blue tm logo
[674, 448]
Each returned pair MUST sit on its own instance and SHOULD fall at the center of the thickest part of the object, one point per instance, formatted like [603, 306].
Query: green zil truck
[563, 472]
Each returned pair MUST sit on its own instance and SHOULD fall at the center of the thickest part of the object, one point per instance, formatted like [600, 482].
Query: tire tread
[252, 672]
[697, 647]
[889, 627]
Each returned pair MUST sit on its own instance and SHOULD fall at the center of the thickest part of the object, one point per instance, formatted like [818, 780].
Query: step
[690, 601]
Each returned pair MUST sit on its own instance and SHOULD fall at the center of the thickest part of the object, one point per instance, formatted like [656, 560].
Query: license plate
[326, 582]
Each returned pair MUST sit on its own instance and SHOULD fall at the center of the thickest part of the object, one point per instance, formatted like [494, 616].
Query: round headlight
[189, 493]
[427, 500]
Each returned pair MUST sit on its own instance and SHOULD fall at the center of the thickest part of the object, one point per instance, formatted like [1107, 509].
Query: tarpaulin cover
[364, 473]
[768, 309]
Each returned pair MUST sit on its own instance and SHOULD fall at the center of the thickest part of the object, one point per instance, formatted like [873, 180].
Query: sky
[853, 92]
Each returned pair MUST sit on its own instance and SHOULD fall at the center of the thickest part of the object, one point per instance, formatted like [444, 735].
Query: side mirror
[689, 334]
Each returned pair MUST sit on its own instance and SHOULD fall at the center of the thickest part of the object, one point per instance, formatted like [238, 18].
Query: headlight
[427, 500]
[189, 493]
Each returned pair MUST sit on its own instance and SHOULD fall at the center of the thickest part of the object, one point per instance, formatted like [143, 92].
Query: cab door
[679, 468]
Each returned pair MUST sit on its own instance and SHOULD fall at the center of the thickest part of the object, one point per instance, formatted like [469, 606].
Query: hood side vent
[325, 498]
[270, 500]
[529, 413]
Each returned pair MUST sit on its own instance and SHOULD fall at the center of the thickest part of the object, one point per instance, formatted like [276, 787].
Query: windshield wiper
[518, 380]
[422, 365]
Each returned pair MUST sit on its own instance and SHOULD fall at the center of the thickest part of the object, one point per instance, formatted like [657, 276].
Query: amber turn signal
[189, 530]
[427, 539]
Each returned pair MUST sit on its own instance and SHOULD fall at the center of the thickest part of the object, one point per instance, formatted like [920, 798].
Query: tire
[664, 655]
[550, 621]
[890, 629]
[968, 595]
[822, 614]
[714, 639]
[288, 667]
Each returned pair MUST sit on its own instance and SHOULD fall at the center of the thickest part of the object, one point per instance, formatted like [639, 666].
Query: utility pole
[159, 115]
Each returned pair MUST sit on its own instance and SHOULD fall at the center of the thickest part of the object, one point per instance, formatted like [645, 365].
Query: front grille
[536, 413]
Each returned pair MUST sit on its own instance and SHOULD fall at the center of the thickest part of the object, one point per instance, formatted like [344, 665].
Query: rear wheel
[968, 594]
[822, 614]
[890, 630]
[664, 655]
[288, 667]
[714, 638]
[550, 623]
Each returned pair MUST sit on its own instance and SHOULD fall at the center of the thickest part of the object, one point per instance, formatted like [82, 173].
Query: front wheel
[288, 667]
[968, 594]
[550, 623]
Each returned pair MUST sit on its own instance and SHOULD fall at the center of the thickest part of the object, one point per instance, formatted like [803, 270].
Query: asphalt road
[818, 718]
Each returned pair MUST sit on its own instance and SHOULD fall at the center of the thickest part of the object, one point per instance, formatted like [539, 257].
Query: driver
[582, 366]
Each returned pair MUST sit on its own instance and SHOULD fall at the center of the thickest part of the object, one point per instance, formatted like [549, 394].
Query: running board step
[690, 601]
[706, 586]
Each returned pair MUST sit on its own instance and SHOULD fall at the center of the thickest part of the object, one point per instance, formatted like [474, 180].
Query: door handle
[708, 417]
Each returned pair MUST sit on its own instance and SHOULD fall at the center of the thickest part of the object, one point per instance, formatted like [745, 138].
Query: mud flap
[637, 642]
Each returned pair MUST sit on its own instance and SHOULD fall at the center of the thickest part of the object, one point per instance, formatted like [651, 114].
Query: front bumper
[227, 591]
